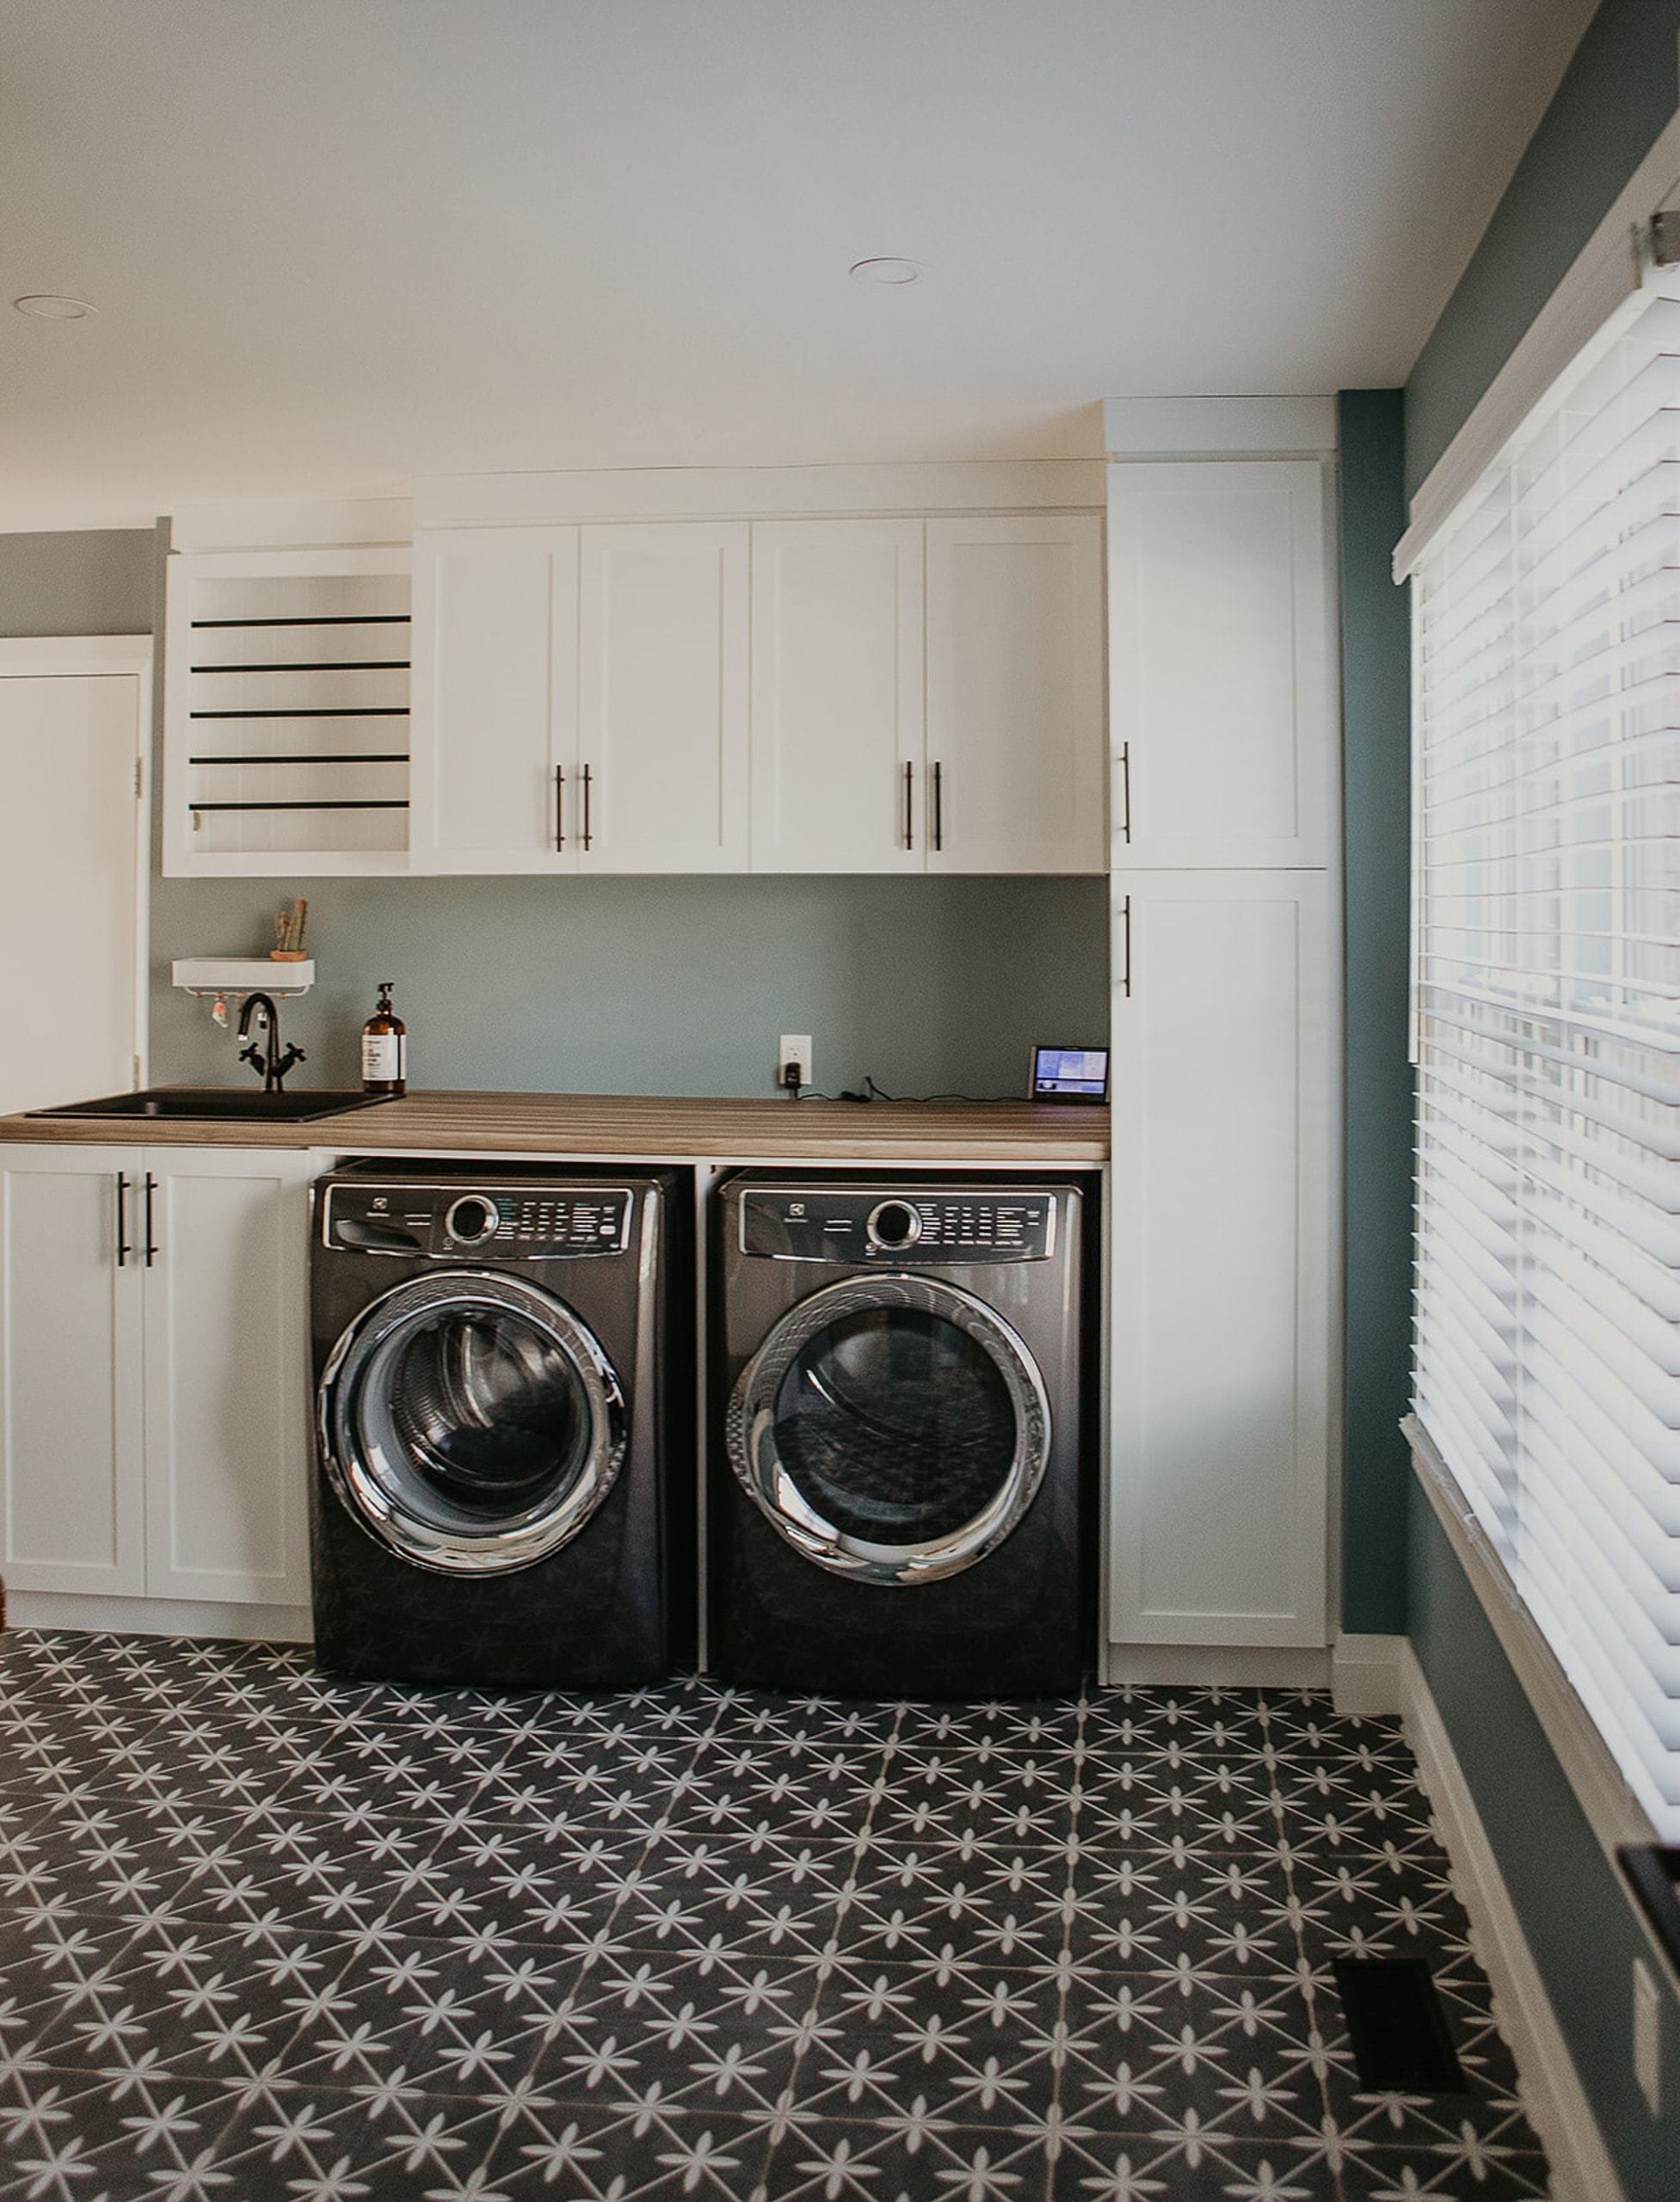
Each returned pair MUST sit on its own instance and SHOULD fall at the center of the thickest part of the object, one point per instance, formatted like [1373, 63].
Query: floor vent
[1400, 2041]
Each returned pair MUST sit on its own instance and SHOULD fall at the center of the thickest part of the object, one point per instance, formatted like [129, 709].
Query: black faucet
[274, 1066]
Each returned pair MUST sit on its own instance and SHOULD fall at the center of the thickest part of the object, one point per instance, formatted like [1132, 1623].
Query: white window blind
[1547, 1023]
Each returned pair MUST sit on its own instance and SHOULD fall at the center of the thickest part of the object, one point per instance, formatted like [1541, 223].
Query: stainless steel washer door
[893, 1428]
[471, 1422]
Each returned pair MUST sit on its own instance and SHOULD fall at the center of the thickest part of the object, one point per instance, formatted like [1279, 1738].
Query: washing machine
[499, 1387]
[896, 1504]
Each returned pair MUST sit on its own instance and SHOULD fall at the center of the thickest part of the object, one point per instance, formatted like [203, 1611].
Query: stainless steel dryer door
[892, 1427]
[471, 1422]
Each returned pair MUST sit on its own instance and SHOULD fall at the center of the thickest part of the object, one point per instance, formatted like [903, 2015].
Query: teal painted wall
[1620, 91]
[1376, 737]
[1579, 1923]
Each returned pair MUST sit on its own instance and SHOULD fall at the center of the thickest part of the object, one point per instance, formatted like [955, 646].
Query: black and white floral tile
[266, 1935]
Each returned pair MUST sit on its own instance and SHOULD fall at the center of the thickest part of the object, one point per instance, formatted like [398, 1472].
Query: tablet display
[1070, 1074]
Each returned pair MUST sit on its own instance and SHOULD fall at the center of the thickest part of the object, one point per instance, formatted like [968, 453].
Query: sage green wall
[660, 986]
[1617, 94]
[88, 581]
[641, 985]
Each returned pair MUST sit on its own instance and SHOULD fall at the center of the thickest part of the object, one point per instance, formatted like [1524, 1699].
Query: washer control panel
[531, 1222]
[917, 1229]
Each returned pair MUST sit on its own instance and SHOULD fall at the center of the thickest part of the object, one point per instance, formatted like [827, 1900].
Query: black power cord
[870, 1091]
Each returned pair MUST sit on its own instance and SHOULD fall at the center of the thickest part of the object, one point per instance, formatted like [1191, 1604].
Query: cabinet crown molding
[919, 487]
[1219, 427]
[293, 524]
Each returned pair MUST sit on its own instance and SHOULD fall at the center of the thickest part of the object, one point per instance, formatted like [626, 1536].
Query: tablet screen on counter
[1070, 1074]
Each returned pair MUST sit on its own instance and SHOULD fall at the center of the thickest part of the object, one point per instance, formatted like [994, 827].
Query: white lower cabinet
[1223, 1175]
[154, 1424]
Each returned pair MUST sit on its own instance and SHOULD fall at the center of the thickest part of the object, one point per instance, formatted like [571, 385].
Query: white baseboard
[1551, 2091]
[1230, 1666]
[1365, 1673]
[160, 1616]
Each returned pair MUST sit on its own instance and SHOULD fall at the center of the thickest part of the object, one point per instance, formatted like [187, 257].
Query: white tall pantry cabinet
[1223, 723]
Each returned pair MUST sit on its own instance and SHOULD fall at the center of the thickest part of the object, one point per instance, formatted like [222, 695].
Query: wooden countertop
[585, 1126]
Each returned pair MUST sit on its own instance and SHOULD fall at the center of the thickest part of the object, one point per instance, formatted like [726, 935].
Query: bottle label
[382, 1055]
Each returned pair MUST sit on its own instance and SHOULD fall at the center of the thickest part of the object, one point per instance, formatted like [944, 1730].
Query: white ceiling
[336, 243]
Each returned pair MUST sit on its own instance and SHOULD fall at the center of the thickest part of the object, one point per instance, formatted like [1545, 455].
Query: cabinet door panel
[663, 725]
[494, 698]
[1222, 1257]
[70, 1372]
[1220, 664]
[227, 1377]
[1015, 694]
[837, 696]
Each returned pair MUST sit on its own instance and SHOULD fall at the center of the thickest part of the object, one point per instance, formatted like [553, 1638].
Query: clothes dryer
[895, 1487]
[497, 1373]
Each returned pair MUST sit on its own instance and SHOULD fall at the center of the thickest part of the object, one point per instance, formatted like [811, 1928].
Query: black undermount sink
[219, 1104]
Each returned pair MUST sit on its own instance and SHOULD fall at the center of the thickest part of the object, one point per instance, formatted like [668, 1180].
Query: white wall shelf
[240, 975]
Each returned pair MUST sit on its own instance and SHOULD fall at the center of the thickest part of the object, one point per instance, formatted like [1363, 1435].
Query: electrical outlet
[793, 1051]
[1647, 2037]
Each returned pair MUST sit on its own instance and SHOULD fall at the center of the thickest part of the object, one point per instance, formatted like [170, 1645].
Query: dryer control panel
[533, 1222]
[940, 1228]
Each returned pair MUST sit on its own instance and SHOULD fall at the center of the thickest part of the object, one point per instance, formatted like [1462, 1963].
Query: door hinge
[139, 777]
[1665, 236]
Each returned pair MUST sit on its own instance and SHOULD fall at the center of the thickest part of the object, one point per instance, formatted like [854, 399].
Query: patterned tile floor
[268, 1936]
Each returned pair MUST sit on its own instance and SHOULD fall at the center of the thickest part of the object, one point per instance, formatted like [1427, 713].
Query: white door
[1016, 739]
[837, 696]
[74, 731]
[663, 703]
[1221, 663]
[72, 1238]
[1223, 1169]
[227, 1376]
[495, 700]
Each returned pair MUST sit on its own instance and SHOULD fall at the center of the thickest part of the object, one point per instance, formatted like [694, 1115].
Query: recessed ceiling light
[45, 307]
[885, 271]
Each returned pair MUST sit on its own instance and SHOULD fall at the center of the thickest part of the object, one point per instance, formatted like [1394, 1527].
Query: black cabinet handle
[123, 1247]
[559, 806]
[1125, 791]
[909, 801]
[939, 807]
[152, 1243]
[586, 807]
[1126, 940]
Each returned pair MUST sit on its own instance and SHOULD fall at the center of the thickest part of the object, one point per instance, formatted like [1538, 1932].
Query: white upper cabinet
[661, 684]
[837, 771]
[1015, 740]
[495, 699]
[580, 699]
[732, 690]
[1220, 664]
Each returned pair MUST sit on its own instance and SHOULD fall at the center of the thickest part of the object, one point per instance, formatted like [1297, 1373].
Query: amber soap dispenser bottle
[385, 1050]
